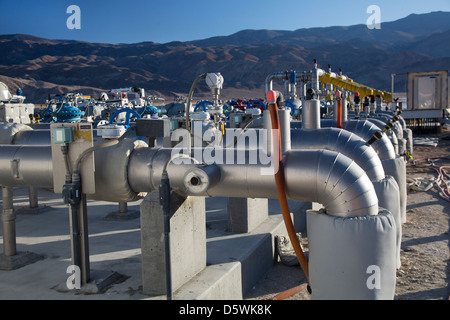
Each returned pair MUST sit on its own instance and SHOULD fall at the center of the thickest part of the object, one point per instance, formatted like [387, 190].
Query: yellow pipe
[350, 85]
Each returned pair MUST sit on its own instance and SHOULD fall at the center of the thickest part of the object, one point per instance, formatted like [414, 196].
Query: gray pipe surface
[311, 114]
[343, 141]
[8, 218]
[366, 129]
[24, 166]
[362, 128]
[33, 137]
[322, 176]
[283, 75]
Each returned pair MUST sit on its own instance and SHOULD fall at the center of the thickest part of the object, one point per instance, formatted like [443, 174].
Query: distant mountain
[413, 27]
[42, 66]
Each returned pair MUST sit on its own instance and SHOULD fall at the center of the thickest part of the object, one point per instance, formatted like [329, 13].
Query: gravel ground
[425, 269]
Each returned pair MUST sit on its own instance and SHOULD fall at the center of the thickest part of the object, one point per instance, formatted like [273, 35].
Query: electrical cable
[88, 151]
[188, 103]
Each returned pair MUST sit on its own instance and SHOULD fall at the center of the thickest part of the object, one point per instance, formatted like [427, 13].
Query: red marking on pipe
[339, 109]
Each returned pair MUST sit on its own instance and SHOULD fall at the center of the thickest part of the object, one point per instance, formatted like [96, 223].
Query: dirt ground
[425, 264]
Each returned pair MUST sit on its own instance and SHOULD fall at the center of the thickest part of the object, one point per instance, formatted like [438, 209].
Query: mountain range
[418, 42]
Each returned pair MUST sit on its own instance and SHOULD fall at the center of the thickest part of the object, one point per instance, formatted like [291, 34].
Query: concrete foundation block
[299, 216]
[245, 214]
[19, 260]
[216, 282]
[187, 242]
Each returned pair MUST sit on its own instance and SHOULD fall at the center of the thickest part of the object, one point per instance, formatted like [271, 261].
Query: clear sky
[132, 21]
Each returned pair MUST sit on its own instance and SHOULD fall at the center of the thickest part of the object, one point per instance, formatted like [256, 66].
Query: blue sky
[119, 21]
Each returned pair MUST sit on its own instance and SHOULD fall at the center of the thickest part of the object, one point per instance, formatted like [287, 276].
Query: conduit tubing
[281, 186]
[188, 103]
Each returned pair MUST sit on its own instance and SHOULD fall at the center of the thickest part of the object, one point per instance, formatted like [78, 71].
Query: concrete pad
[234, 261]
[19, 260]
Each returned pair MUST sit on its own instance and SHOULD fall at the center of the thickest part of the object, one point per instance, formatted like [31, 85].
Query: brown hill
[42, 66]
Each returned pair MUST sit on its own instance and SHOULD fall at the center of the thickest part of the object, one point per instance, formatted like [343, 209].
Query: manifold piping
[275, 76]
[321, 176]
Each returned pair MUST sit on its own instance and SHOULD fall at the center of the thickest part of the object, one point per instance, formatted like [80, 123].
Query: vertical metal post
[123, 207]
[84, 238]
[79, 238]
[392, 85]
[33, 197]
[8, 223]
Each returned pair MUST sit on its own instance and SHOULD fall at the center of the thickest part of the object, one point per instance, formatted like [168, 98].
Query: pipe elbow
[332, 179]
[365, 129]
[277, 98]
[352, 146]
[343, 141]
[347, 190]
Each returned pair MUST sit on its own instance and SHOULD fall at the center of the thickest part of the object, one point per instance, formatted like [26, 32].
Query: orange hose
[290, 292]
[281, 191]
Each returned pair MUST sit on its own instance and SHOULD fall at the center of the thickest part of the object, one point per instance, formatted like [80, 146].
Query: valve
[357, 99]
[129, 113]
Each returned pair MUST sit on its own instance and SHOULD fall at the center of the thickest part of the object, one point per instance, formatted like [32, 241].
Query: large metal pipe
[9, 130]
[322, 176]
[311, 114]
[343, 141]
[363, 128]
[33, 137]
[284, 75]
[285, 129]
[366, 129]
[24, 166]
[8, 218]
[393, 134]
[298, 139]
